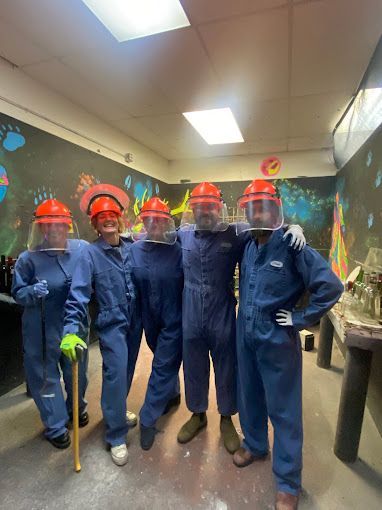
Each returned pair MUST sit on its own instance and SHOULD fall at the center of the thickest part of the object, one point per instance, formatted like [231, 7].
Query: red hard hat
[155, 208]
[259, 190]
[205, 193]
[52, 211]
[103, 204]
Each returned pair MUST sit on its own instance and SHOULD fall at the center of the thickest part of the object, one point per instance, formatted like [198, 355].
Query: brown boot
[192, 427]
[286, 501]
[243, 458]
[230, 436]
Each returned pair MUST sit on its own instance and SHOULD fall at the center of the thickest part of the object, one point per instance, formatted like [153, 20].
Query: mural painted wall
[359, 188]
[35, 165]
[359, 191]
[307, 201]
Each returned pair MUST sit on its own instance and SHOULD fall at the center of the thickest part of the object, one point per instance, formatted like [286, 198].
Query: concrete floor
[200, 475]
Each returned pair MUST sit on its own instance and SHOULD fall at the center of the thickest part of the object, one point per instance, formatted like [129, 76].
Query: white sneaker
[131, 419]
[119, 454]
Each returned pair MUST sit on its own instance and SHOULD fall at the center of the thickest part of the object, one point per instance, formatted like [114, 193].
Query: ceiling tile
[250, 54]
[178, 64]
[200, 11]
[60, 78]
[265, 120]
[267, 146]
[332, 43]
[320, 141]
[16, 48]
[116, 77]
[316, 114]
[135, 129]
[172, 128]
[62, 27]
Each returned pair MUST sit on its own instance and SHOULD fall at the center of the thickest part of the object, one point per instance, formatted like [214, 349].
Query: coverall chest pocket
[274, 281]
[140, 273]
[109, 288]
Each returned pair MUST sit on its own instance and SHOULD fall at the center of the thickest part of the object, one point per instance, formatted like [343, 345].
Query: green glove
[68, 346]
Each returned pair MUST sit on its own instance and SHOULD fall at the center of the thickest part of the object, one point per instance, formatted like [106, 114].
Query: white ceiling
[287, 68]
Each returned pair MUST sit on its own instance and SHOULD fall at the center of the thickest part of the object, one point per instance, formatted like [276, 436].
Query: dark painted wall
[359, 185]
[307, 201]
[35, 165]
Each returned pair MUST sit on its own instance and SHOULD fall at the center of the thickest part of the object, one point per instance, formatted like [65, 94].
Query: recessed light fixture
[216, 126]
[131, 19]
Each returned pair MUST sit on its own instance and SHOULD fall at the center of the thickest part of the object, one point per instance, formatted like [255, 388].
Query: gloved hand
[298, 240]
[284, 317]
[40, 289]
[68, 346]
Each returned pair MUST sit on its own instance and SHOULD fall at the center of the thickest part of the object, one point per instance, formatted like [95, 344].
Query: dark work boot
[147, 436]
[192, 427]
[61, 442]
[230, 436]
[83, 420]
[173, 402]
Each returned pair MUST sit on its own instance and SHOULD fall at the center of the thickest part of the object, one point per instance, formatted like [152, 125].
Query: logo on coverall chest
[276, 263]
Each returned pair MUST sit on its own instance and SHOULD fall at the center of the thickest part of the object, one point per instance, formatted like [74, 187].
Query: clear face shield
[154, 227]
[260, 211]
[205, 214]
[53, 234]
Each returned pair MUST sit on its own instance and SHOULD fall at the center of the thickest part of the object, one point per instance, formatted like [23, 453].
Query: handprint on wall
[11, 137]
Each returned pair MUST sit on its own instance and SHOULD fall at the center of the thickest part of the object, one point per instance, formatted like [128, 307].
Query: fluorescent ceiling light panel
[131, 19]
[216, 126]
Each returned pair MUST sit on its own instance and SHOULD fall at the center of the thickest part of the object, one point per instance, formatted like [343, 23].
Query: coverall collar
[106, 246]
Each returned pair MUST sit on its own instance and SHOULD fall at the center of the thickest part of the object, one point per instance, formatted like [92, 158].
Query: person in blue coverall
[105, 269]
[211, 249]
[45, 273]
[272, 279]
[156, 260]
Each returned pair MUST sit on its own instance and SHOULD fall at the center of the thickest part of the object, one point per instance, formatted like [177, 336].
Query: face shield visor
[260, 211]
[53, 234]
[205, 214]
[154, 227]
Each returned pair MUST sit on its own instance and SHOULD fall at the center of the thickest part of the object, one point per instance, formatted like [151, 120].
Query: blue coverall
[57, 270]
[209, 261]
[106, 270]
[274, 276]
[158, 274]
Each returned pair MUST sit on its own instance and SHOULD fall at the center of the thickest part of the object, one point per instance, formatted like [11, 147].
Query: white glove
[284, 317]
[298, 240]
[40, 289]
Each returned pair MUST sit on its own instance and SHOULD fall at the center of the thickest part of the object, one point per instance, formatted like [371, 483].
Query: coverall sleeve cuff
[298, 320]
[70, 330]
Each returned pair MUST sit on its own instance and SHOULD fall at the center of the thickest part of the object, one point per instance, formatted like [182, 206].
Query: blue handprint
[11, 137]
[369, 158]
[378, 179]
[370, 220]
[43, 194]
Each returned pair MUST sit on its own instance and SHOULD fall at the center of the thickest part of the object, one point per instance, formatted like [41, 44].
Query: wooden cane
[76, 435]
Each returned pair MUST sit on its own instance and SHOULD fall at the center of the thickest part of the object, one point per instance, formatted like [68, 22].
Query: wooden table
[360, 340]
